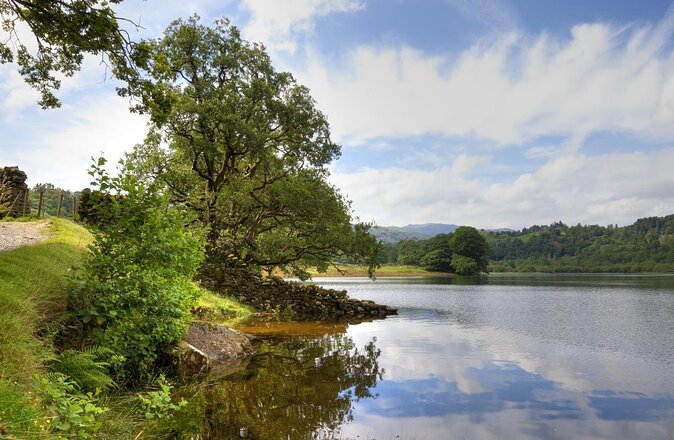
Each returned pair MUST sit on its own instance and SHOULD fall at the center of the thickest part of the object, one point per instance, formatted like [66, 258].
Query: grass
[33, 293]
[387, 270]
[216, 308]
[32, 290]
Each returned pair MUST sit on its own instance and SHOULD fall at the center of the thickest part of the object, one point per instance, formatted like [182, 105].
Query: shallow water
[544, 357]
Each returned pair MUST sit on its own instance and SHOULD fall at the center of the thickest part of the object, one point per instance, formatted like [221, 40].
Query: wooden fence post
[26, 204]
[58, 210]
[39, 204]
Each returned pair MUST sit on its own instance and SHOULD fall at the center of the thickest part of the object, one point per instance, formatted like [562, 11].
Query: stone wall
[308, 302]
[293, 300]
[13, 190]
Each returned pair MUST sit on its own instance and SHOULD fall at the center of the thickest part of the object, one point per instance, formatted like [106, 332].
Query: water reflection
[294, 388]
[554, 361]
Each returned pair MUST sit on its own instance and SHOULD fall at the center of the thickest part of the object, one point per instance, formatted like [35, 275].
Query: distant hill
[394, 234]
[431, 229]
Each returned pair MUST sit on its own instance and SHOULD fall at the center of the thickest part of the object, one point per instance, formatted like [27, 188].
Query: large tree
[63, 31]
[470, 251]
[247, 150]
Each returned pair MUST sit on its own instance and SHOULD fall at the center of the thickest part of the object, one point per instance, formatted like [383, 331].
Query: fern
[84, 368]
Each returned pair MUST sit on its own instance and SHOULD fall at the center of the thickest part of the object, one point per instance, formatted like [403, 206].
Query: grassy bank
[32, 292]
[33, 295]
[387, 270]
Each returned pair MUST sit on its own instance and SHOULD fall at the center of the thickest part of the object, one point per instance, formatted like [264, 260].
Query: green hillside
[645, 246]
[394, 234]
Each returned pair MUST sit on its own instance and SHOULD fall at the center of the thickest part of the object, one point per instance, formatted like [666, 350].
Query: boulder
[215, 348]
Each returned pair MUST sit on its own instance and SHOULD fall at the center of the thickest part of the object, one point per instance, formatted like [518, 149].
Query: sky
[491, 113]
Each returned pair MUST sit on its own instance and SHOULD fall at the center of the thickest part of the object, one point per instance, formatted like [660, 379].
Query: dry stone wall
[13, 190]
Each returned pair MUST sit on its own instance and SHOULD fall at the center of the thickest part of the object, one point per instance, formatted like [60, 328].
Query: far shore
[388, 270]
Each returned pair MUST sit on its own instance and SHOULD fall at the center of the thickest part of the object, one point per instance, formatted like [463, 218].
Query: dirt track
[17, 234]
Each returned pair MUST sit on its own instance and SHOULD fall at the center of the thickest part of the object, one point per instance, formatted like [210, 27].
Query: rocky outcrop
[13, 190]
[213, 348]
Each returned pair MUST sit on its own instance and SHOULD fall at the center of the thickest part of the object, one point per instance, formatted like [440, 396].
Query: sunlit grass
[225, 310]
[33, 287]
[388, 270]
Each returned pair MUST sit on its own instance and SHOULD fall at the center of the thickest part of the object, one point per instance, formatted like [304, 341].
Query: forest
[645, 246]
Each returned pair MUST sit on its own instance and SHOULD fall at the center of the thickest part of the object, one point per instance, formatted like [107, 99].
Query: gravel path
[17, 234]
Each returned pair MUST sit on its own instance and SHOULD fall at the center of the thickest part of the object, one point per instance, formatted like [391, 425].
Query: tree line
[645, 246]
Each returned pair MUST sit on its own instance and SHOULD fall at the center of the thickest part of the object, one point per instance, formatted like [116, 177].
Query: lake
[508, 357]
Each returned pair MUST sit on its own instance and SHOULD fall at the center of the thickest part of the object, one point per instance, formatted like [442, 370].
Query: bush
[158, 404]
[73, 414]
[135, 293]
[464, 265]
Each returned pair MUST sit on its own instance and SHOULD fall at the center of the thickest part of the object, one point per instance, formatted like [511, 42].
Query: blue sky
[492, 113]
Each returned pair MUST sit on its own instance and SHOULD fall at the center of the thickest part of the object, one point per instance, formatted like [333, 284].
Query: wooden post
[58, 210]
[39, 204]
[26, 204]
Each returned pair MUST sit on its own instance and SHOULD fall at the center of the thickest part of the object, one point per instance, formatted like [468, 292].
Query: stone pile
[308, 302]
[13, 190]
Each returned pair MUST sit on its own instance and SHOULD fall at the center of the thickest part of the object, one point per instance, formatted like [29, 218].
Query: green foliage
[63, 32]
[34, 289]
[438, 260]
[645, 246]
[84, 368]
[158, 404]
[464, 265]
[136, 292]
[73, 414]
[464, 252]
[469, 242]
[248, 151]
[50, 199]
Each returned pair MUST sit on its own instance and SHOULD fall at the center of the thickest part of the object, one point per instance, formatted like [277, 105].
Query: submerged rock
[215, 348]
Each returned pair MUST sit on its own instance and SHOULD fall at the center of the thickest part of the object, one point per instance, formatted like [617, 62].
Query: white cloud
[572, 187]
[15, 94]
[506, 90]
[278, 23]
[88, 128]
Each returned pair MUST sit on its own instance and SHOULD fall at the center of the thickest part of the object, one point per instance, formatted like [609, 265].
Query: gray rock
[215, 348]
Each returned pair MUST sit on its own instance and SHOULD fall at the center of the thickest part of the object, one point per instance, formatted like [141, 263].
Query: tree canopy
[247, 150]
[464, 252]
[645, 246]
[63, 32]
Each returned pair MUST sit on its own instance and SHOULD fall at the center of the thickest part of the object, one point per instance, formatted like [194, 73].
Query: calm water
[544, 357]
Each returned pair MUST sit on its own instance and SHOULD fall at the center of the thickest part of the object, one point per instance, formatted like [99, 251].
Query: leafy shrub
[158, 404]
[74, 414]
[135, 294]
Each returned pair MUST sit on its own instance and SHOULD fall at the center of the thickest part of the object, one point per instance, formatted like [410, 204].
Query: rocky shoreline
[293, 300]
